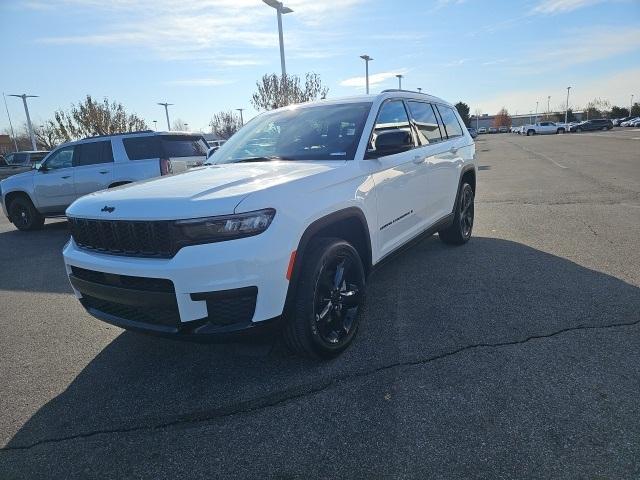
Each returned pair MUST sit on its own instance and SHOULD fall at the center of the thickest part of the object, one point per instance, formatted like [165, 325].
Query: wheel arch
[349, 224]
[11, 196]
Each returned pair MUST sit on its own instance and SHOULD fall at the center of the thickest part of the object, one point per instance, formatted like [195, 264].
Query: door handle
[66, 176]
[418, 159]
[104, 171]
[453, 150]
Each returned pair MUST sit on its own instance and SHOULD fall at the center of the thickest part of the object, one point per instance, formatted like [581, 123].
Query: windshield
[322, 132]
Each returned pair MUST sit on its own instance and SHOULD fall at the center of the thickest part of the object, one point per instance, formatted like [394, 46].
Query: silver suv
[78, 168]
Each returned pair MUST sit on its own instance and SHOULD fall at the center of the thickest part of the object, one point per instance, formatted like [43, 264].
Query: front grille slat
[123, 237]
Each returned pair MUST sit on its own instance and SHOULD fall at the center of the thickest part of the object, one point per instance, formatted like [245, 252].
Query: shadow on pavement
[32, 261]
[429, 300]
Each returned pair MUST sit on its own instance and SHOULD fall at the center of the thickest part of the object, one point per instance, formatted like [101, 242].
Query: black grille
[164, 316]
[122, 237]
[125, 281]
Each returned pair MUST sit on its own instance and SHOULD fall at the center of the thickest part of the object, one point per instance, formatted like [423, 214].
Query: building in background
[6, 145]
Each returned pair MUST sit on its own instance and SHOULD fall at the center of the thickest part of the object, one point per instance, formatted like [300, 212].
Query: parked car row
[546, 128]
[627, 122]
[19, 162]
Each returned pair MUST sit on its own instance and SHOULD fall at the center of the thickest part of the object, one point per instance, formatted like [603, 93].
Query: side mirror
[391, 142]
[211, 151]
[41, 168]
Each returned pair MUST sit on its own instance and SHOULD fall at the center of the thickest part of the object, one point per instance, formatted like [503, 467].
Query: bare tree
[179, 124]
[275, 91]
[597, 108]
[47, 136]
[502, 119]
[90, 118]
[225, 124]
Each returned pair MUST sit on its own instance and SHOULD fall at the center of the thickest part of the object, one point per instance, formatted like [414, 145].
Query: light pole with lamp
[166, 112]
[24, 97]
[366, 59]
[566, 110]
[399, 77]
[241, 119]
[281, 9]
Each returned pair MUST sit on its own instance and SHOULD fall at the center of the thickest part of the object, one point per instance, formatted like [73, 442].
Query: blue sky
[206, 55]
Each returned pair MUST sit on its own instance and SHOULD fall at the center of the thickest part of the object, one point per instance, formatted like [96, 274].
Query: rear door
[447, 165]
[93, 163]
[53, 183]
[184, 151]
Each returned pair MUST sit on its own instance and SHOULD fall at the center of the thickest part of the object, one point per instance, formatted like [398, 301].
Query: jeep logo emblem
[108, 209]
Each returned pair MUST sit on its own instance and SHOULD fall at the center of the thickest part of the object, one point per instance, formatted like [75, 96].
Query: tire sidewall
[19, 205]
[306, 298]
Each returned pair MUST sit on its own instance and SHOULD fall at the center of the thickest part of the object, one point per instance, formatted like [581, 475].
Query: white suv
[77, 168]
[283, 227]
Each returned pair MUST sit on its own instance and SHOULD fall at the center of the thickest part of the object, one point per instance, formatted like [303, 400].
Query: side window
[93, 153]
[392, 117]
[18, 159]
[141, 148]
[426, 122]
[63, 158]
[450, 120]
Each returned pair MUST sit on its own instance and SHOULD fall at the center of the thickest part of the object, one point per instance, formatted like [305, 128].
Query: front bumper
[211, 290]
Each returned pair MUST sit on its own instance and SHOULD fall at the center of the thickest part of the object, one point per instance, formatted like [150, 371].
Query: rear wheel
[560, 130]
[460, 230]
[579, 130]
[531, 132]
[24, 215]
[329, 300]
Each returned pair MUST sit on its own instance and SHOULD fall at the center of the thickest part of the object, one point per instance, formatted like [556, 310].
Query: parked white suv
[77, 168]
[543, 128]
[282, 228]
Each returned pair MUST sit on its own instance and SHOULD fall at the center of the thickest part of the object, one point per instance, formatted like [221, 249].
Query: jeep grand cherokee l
[284, 226]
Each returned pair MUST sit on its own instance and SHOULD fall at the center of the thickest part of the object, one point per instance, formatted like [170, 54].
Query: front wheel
[329, 300]
[530, 132]
[24, 215]
[560, 131]
[579, 130]
[459, 232]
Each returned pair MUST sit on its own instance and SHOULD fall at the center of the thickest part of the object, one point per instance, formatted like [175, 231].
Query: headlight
[227, 227]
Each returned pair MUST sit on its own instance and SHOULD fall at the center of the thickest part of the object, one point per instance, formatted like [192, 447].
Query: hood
[17, 177]
[201, 192]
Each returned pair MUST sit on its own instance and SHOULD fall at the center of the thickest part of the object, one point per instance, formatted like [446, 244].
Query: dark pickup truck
[18, 162]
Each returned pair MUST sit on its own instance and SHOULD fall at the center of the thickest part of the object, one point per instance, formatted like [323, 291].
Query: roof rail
[402, 90]
[121, 133]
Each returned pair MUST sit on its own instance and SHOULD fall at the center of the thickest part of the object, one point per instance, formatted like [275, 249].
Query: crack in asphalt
[288, 395]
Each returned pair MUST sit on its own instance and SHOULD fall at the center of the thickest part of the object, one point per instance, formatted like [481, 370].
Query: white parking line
[540, 155]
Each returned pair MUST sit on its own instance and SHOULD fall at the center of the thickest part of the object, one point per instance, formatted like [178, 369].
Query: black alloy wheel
[459, 232]
[329, 301]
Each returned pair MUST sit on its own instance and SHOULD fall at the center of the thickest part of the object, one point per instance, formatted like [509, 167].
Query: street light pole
[280, 9]
[419, 90]
[366, 59]
[631, 104]
[155, 125]
[241, 119]
[15, 143]
[536, 112]
[26, 111]
[548, 108]
[399, 81]
[566, 110]
[166, 112]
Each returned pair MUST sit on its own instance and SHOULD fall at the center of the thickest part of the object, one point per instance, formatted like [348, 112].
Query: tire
[531, 132]
[327, 308]
[604, 129]
[459, 232]
[579, 130]
[560, 131]
[24, 215]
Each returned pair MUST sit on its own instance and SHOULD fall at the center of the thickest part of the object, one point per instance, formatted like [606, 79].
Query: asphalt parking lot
[515, 356]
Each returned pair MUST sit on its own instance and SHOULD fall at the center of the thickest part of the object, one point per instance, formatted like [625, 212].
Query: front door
[400, 181]
[53, 182]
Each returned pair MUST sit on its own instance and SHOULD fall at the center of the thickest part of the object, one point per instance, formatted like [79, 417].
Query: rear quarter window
[165, 146]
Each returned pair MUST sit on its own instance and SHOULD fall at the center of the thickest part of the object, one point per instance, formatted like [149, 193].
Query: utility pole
[366, 59]
[281, 9]
[15, 143]
[566, 110]
[241, 119]
[166, 112]
[26, 111]
[399, 77]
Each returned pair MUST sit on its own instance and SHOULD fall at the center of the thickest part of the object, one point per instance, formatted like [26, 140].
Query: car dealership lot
[517, 355]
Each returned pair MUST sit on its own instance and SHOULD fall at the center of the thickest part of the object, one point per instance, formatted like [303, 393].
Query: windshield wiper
[259, 159]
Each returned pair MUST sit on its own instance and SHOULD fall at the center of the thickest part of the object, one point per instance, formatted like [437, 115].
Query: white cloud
[562, 6]
[374, 79]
